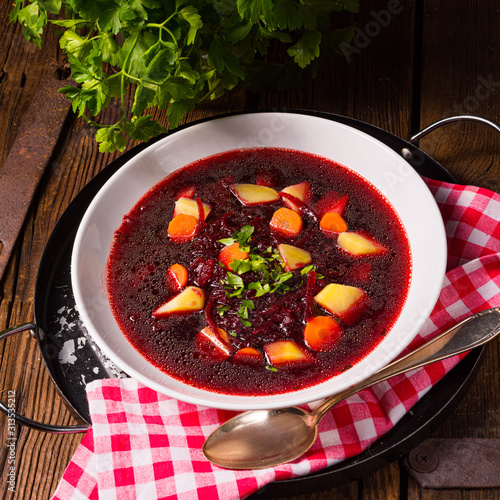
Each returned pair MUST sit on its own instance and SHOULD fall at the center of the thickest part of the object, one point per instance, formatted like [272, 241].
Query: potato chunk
[286, 352]
[293, 257]
[360, 244]
[343, 301]
[191, 299]
[253, 194]
[189, 206]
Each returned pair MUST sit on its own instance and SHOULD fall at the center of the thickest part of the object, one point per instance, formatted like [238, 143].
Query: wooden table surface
[430, 60]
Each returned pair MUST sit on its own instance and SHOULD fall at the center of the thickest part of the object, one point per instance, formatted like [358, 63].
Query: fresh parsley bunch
[174, 54]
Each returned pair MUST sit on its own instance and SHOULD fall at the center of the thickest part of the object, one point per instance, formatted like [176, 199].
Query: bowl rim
[88, 310]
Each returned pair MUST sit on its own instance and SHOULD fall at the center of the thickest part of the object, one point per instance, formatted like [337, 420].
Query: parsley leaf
[234, 285]
[111, 139]
[259, 288]
[221, 309]
[243, 235]
[243, 311]
[306, 49]
[241, 266]
[311, 267]
[279, 283]
[234, 280]
[254, 10]
[190, 14]
[221, 57]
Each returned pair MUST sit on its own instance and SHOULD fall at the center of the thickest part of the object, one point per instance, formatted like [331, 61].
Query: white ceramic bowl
[395, 178]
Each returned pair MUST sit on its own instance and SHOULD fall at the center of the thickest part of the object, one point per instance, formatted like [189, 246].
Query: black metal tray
[74, 360]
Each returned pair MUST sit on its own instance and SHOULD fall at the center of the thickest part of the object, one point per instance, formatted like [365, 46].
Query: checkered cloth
[148, 446]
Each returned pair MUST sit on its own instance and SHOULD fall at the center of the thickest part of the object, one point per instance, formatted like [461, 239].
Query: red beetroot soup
[259, 271]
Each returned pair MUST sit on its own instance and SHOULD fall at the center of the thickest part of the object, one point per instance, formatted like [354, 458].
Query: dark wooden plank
[384, 483]
[384, 66]
[461, 75]
[21, 69]
[345, 492]
[459, 494]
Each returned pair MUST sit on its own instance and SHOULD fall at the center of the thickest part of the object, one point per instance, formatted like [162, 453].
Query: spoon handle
[468, 334]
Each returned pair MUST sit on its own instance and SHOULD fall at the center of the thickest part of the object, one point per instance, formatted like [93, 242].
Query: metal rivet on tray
[423, 459]
[406, 153]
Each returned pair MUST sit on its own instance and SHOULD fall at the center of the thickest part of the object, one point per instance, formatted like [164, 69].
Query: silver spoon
[265, 438]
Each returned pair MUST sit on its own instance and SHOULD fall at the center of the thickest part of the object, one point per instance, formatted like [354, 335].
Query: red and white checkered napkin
[146, 445]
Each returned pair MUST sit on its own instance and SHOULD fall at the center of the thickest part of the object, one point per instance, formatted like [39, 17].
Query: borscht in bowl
[258, 271]
[258, 275]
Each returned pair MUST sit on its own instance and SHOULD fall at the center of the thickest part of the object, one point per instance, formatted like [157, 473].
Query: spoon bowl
[266, 438]
[261, 438]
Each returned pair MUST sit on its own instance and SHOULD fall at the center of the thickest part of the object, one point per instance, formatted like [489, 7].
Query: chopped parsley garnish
[234, 285]
[221, 309]
[268, 267]
[259, 288]
[243, 311]
[279, 283]
[311, 267]
[270, 270]
[248, 304]
[242, 237]
[241, 266]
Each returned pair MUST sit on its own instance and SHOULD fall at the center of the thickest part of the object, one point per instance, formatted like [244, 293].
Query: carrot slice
[177, 277]
[333, 223]
[322, 333]
[182, 228]
[230, 253]
[247, 355]
[287, 222]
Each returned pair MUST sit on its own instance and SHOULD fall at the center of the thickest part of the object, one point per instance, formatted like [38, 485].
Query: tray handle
[415, 157]
[21, 419]
[452, 119]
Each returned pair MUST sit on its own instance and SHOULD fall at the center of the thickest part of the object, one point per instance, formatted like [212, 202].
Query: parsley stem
[171, 16]
[161, 27]
[122, 81]
[93, 123]
[211, 92]
[132, 77]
